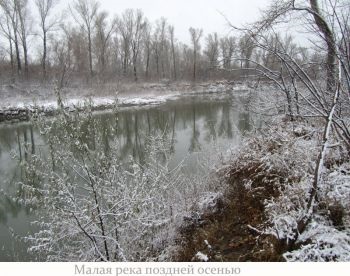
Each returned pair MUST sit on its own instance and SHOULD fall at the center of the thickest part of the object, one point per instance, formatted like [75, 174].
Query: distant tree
[172, 38]
[227, 46]
[139, 25]
[125, 26]
[196, 35]
[85, 12]
[24, 25]
[62, 52]
[103, 37]
[160, 46]
[47, 23]
[7, 31]
[212, 49]
[246, 47]
[147, 42]
[10, 10]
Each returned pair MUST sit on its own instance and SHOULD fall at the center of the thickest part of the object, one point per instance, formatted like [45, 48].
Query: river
[194, 124]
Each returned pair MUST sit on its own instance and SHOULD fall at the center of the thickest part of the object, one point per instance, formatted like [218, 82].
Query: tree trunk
[90, 53]
[157, 63]
[173, 53]
[330, 41]
[320, 163]
[24, 40]
[103, 60]
[135, 69]
[44, 54]
[147, 63]
[25, 53]
[194, 64]
[18, 57]
[11, 57]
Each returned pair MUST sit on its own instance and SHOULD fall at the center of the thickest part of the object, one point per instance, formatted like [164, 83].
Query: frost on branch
[94, 206]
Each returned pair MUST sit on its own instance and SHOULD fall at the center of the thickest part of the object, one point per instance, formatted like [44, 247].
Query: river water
[194, 124]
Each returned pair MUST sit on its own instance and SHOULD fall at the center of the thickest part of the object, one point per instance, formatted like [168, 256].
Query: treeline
[87, 44]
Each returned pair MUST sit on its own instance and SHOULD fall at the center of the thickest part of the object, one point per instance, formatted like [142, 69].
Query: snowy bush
[324, 239]
[321, 242]
[285, 211]
[93, 206]
[279, 164]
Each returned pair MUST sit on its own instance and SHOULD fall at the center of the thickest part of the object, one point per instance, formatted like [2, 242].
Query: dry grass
[234, 231]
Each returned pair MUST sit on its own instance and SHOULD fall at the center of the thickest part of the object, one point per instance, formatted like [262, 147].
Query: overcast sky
[191, 13]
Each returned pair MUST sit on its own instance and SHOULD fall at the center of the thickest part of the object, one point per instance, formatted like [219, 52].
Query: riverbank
[19, 102]
[267, 183]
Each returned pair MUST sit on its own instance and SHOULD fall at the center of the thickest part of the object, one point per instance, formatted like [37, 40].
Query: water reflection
[191, 124]
[17, 143]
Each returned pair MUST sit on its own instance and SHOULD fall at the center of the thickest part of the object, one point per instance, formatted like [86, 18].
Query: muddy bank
[230, 232]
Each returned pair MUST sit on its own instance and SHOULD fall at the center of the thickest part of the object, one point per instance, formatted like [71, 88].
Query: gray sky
[183, 14]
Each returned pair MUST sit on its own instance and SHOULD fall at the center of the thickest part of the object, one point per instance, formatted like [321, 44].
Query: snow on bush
[321, 242]
[94, 207]
[201, 257]
[285, 211]
[283, 158]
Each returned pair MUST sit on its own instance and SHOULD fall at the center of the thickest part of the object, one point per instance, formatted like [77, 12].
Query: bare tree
[132, 26]
[85, 15]
[161, 46]
[137, 32]
[291, 75]
[10, 10]
[227, 46]
[327, 33]
[196, 35]
[5, 25]
[24, 25]
[147, 42]
[156, 49]
[125, 26]
[45, 8]
[62, 56]
[104, 33]
[246, 47]
[212, 51]
[171, 34]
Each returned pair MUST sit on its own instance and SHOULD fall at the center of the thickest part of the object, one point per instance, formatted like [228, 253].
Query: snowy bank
[20, 105]
[269, 179]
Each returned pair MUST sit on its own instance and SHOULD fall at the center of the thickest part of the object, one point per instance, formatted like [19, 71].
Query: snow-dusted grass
[279, 163]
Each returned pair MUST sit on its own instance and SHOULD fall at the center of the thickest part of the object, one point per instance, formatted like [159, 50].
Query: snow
[287, 153]
[207, 244]
[202, 257]
[209, 202]
[79, 102]
[327, 244]
[152, 94]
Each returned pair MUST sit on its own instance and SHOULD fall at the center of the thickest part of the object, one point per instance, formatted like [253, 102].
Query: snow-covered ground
[43, 98]
[79, 102]
[286, 154]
